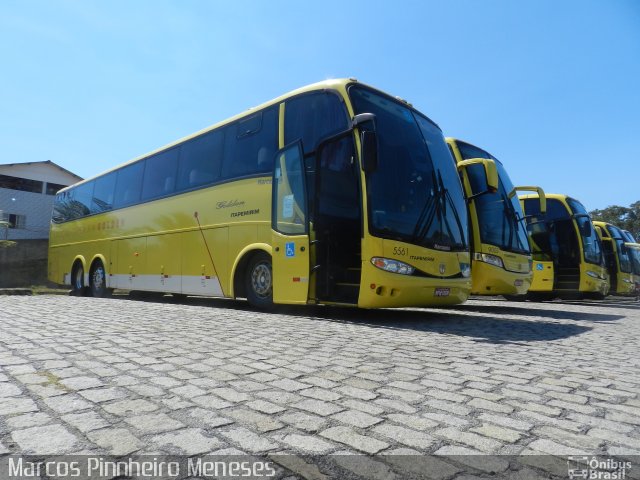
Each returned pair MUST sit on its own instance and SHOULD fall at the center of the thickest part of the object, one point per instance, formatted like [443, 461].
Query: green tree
[627, 218]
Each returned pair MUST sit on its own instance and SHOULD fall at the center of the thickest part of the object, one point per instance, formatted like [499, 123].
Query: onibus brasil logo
[594, 468]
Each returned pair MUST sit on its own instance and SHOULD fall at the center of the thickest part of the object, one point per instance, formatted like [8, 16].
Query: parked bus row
[335, 193]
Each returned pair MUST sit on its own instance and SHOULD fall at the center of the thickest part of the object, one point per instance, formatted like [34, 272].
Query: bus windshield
[499, 217]
[635, 254]
[415, 194]
[624, 254]
[590, 241]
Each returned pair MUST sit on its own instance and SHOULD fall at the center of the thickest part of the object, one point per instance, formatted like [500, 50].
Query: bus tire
[259, 281]
[98, 280]
[78, 288]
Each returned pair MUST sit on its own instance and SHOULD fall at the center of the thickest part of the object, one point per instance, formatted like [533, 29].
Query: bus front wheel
[259, 281]
[98, 280]
[77, 281]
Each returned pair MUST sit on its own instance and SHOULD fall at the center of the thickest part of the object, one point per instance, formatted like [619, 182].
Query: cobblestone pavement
[119, 376]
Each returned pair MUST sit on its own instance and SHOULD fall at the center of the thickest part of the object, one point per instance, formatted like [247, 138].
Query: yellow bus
[335, 193]
[500, 252]
[630, 242]
[618, 259]
[568, 261]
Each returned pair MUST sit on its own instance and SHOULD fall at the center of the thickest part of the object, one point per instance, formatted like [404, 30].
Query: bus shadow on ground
[478, 323]
[535, 313]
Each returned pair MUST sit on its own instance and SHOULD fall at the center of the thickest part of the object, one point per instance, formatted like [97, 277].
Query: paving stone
[103, 394]
[259, 421]
[478, 442]
[304, 421]
[364, 466]
[81, 383]
[349, 437]
[85, 421]
[230, 395]
[265, 407]
[355, 392]
[28, 420]
[356, 418]
[190, 441]
[201, 417]
[153, 423]
[503, 434]
[319, 407]
[249, 440]
[405, 436]
[306, 443]
[45, 440]
[482, 404]
[209, 401]
[115, 441]
[15, 405]
[129, 407]
[289, 385]
[70, 402]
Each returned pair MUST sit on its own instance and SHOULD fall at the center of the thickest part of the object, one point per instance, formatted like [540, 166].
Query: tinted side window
[312, 117]
[200, 160]
[128, 185]
[103, 193]
[62, 207]
[79, 204]
[160, 174]
[250, 144]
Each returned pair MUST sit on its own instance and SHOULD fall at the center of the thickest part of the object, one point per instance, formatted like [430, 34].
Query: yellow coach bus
[618, 258]
[335, 193]
[500, 253]
[568, 260]
[630, 242]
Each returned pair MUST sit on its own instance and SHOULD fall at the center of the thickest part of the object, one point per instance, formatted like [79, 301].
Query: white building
[27, 191]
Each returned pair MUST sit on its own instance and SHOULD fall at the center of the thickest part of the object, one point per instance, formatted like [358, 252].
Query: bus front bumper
[391, 290]
[492, 280]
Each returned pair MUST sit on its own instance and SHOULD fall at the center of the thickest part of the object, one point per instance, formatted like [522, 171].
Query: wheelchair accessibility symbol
[539, 266]
[290, 249]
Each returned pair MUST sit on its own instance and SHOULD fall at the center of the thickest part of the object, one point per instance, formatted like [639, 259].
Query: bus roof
[329, 84]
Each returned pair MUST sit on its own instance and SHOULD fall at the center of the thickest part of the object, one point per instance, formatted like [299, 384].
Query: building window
[23, 184]
[14, 220]
[53, 188]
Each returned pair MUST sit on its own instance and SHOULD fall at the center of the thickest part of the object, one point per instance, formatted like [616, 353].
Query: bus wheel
[259, 281]
[98, 280]
[77, 281]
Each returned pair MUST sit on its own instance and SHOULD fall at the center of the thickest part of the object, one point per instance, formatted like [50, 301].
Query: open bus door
[290, 227]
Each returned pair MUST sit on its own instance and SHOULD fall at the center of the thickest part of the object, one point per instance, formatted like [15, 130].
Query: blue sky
[550, 88]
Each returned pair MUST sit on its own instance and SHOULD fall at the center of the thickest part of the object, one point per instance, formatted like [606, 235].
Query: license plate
[441, 292]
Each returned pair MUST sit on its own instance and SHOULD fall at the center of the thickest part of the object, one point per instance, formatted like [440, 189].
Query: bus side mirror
[490, 170]
[541, 196]
[369, 142]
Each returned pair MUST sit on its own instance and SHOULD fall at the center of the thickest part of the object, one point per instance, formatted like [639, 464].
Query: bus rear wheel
[78, 288]
[259, 281]
[98, 281]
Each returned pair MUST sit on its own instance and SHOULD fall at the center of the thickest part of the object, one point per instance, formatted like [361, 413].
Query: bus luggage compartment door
[290, 228]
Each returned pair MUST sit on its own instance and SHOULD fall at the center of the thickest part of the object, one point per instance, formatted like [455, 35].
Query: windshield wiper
[437, 208]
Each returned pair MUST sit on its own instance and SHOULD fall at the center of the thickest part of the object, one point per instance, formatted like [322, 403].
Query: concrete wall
[24, 264]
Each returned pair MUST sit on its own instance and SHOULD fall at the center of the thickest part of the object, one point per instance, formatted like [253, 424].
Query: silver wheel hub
[261, 280]
[98, 278]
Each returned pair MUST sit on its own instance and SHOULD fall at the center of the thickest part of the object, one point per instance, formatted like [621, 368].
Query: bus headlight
[594, 275]
[393, 266]
[490, 259]
[465, 270]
